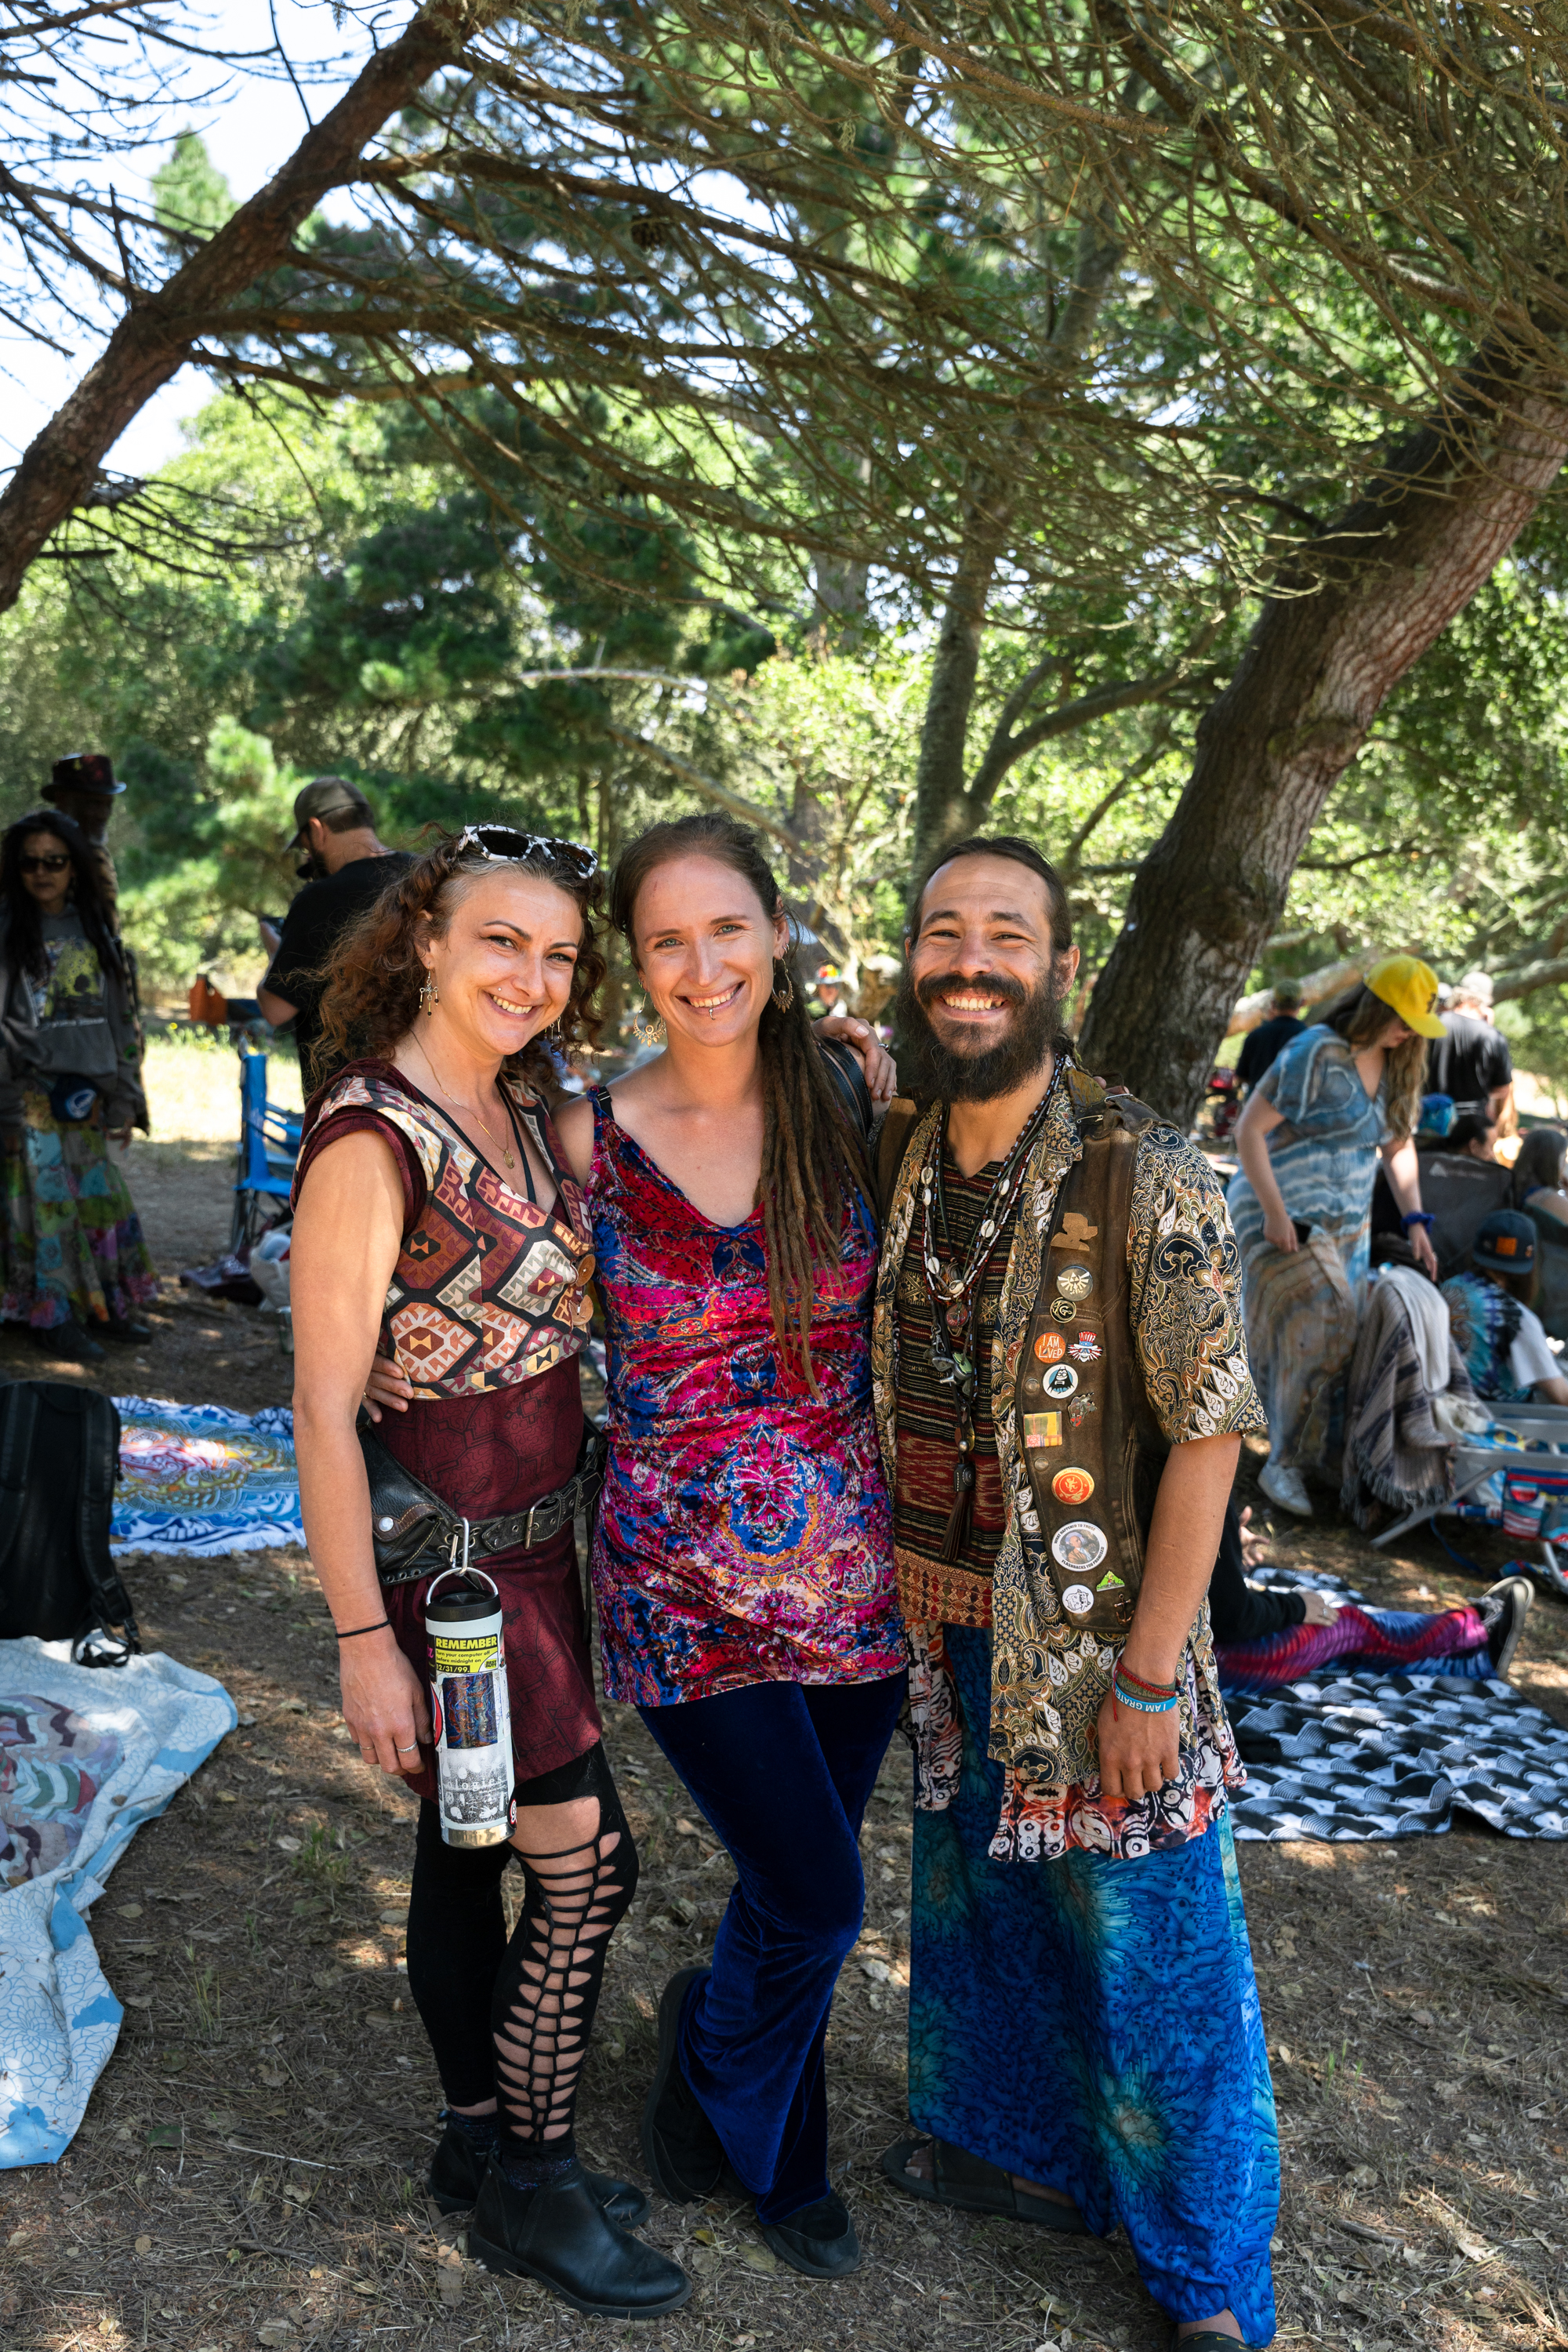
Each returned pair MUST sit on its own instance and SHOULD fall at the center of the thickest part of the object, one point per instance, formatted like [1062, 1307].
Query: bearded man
[1061, 1386]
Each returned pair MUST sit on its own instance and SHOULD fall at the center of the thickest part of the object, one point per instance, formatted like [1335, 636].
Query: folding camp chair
[269, 1147]
[1529, 1448]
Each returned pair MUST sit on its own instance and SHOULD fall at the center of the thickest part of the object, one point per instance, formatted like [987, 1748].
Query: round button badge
[1075, 1282]
[1079, 1599]
[1063, 1310]
[1080, 1545]
[1059, 1381]
[1072, 1486]
[1050, 1348]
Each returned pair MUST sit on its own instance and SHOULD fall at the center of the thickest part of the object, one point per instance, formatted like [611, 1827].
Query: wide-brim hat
[85, 771]
[1408, 987]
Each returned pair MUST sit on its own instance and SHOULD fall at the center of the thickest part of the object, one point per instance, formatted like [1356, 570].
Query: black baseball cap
[1506, 1243]
[326, 797]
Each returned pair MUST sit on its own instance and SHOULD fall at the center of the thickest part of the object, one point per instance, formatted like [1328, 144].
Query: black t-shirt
[318, 918]
[1470, 1061]
[1262, 1046]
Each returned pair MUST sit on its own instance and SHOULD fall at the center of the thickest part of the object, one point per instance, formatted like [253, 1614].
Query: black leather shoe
[558, 2234]
[457, 2171]
[819, 2240]
[683, 2153]
[67, 1343]
[126, 1330]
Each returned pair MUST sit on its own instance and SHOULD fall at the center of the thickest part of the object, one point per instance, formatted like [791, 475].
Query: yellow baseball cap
[1409, 988]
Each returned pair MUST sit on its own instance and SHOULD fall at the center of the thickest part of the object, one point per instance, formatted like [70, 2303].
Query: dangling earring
[428, 997]
[782, 1004]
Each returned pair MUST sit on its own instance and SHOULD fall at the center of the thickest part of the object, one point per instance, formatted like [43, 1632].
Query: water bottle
[474, 1773]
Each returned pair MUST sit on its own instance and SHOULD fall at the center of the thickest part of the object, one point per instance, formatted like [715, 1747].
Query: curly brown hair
[813, 1160]
[373, 982]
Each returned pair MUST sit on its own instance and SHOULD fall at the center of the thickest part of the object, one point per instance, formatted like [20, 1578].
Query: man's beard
[950, 1075]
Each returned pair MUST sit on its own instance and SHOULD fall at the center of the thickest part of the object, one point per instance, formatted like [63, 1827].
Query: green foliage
[190, 195]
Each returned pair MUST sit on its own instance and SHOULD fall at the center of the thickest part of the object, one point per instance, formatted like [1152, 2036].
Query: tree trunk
[1354, 610]
[154, 340]
[943, 808]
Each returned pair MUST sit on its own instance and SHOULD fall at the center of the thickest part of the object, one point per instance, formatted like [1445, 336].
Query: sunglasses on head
[54, 865]
[504, 846]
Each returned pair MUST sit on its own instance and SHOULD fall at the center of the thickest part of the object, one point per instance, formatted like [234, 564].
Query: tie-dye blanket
[198, 1479]
[86, 1757]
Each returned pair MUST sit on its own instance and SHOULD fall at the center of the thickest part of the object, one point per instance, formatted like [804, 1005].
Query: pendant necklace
[504, 1147]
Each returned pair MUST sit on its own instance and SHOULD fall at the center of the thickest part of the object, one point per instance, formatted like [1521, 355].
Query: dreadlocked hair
[814, 1163]
[373, 983]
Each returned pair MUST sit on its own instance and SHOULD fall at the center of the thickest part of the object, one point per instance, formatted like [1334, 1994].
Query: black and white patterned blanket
[1382, 1756]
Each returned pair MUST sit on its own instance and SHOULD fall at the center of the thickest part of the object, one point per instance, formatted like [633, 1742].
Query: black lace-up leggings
[511, 2020]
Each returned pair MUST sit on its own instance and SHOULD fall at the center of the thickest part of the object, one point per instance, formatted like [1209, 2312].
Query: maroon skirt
[484, 1455]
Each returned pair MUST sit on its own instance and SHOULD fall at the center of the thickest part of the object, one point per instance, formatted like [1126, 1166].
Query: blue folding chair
[269, 1147]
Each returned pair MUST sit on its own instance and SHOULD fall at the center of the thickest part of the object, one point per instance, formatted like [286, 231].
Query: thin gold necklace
[471, 1108]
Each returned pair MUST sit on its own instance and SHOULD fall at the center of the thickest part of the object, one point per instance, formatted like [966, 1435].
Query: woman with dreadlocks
[743, 1558]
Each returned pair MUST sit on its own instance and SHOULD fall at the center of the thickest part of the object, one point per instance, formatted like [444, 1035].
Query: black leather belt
[413, 1532]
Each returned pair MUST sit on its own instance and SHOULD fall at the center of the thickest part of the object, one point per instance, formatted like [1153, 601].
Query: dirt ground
[249, 2169]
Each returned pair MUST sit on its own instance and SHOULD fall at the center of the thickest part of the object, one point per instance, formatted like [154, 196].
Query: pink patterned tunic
[744, 1532]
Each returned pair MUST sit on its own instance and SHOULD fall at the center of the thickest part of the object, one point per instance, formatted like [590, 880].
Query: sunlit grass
[192, 1087]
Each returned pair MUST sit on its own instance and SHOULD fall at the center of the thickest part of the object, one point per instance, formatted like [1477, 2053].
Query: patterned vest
[489, 1289]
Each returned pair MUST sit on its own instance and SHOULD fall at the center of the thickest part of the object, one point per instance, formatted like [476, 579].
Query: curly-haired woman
[437, 1227]
[73, 1264]
[1344, 1093]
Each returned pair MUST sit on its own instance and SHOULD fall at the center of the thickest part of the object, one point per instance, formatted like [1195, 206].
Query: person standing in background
[349, 867]
[1471, 1061]
[74, 1265]
[1265, 1044]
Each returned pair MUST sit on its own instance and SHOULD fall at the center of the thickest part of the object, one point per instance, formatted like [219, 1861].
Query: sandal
[1209, 2339]
[972, 2186]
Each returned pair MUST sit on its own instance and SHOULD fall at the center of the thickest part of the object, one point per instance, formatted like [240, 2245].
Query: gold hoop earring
[429, 997]
[782, 1003]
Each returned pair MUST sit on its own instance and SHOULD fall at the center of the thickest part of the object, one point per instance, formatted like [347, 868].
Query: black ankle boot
[819, 2240]
[683, 2153]
[457, 2172]
[558, 2234]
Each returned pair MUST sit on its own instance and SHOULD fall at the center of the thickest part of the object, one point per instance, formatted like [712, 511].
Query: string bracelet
[1161, 1703]
[358, 1630]
[1145, 1689]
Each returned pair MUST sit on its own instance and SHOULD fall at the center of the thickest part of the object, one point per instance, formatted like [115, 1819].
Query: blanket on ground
[1395, 1451]
[1370, 1755]
[198, 1479]
[86, 1756]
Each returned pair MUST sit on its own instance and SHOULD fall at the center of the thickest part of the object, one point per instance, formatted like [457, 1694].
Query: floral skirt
[71, 1249]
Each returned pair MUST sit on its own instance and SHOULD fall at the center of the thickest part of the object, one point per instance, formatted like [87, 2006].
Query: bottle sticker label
[1079, 1599]
[469, 1702]
[1061, 1380]
[1042, 1429]
[1050, 1348]
[1074, 1486]
[1075, 1282]
[1080, 1545]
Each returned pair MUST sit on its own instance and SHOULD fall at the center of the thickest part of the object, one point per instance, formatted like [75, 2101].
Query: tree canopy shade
[1090, 338]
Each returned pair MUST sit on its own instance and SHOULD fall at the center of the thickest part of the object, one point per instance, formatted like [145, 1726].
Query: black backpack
[60, 1457]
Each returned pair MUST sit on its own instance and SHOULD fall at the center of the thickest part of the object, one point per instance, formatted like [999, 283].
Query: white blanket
[86, 1755]
[1427, 1310]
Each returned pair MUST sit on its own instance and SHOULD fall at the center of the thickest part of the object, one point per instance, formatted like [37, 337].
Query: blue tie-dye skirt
[1094, 2026]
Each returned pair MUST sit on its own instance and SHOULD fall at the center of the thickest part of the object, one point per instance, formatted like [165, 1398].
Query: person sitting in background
[1538, 1174]
[74, 1265]
[1474, 1132]
[1470, 1060]
[1501, 1341]
[349, 868]
[1265, 1639]
[1346, 1093]
[1265, 1044]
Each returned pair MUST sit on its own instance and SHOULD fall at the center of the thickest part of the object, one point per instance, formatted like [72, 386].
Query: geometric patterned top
[489, 1289]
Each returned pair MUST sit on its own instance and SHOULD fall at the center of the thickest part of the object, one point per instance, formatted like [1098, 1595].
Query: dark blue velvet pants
[781, 1772]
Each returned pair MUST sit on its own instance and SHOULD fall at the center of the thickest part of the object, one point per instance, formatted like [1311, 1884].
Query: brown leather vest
[1090, 1445]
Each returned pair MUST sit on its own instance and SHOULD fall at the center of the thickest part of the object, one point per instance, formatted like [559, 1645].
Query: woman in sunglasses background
[438, 1229]
[74, 1265]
